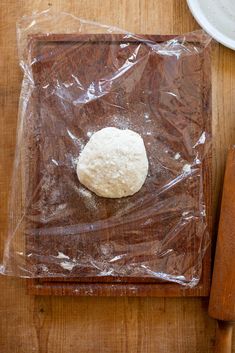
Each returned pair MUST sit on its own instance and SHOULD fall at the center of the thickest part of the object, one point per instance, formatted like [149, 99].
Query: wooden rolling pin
[222, 297]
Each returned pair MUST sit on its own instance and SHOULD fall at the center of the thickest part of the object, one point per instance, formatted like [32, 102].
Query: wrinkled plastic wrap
[80, 77]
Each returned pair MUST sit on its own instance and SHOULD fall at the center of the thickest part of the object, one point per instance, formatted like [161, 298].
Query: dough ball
[113, 163]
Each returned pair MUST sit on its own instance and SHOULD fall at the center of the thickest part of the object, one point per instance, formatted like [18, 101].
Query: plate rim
[200, 17]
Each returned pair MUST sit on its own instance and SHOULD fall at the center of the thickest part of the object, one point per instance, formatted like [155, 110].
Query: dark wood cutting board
[56, 59]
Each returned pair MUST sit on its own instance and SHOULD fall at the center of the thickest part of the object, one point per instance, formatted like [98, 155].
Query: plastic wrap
[79, 77]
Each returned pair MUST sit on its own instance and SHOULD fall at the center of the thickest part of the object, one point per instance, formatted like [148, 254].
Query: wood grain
[99, 325]
[223, 341]
[222, 296]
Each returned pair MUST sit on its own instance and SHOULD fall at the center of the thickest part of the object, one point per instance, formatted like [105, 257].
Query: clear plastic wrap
[79, 77]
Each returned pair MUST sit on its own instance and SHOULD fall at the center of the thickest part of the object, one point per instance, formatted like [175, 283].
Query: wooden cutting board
[57, 58]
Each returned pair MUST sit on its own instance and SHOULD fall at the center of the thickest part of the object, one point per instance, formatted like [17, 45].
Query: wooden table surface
[112, 325]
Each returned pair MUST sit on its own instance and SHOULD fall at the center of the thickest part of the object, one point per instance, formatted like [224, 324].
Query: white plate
[216, 17]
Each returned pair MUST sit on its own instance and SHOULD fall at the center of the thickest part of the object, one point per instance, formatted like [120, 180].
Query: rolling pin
[222, 296]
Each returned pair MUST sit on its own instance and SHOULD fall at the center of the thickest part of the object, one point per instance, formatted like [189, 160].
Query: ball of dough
[113, 163]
